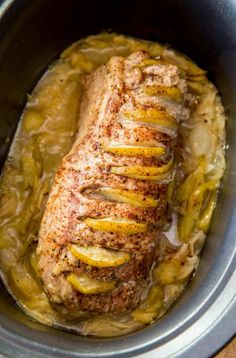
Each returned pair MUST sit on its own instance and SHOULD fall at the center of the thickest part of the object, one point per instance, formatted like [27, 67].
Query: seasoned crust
[107, 92]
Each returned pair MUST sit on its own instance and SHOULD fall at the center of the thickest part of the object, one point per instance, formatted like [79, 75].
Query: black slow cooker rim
[218, 327]
[23, 340]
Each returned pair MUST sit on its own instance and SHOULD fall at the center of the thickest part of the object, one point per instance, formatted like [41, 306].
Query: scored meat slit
[158, 119]
[127, 196]
[158, 173]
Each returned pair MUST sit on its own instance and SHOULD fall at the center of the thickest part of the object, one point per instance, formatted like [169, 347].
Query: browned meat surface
[123, 85]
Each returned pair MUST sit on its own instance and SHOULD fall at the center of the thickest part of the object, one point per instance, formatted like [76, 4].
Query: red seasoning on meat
[108, 204]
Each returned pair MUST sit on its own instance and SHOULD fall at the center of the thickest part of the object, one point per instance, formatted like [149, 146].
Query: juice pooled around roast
[123, 141]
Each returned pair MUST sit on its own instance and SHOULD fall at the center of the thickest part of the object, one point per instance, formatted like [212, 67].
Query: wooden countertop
[228, 351]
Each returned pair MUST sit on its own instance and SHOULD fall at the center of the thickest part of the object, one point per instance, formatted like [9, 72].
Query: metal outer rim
[205, 336]
[207, 333]
[4, 6]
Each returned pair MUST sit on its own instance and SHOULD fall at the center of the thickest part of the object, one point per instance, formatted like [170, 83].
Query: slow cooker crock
[32, 34]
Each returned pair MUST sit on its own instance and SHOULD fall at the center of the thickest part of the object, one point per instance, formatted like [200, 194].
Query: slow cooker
[32, 35]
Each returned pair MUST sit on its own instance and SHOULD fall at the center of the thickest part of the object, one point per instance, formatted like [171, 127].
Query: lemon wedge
[153, 116]
[99, 257]
[88, 286]
[132, 150]
[128, 197]
[173, 93]
[122, 226]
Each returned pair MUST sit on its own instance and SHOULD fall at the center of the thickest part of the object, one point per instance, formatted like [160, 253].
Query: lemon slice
[165, 91]
[131, 150]
[144, 173]
[159, 177]
[99, 257]
[150, 62]
[153, 116]
[128, 197]
[113, 225]
[88, 286]
[152, 178]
